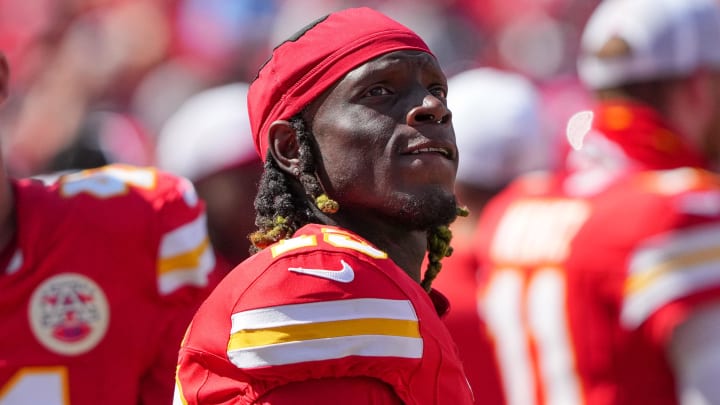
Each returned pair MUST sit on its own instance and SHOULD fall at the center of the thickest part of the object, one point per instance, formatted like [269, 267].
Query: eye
[439, 92]
[377, 91]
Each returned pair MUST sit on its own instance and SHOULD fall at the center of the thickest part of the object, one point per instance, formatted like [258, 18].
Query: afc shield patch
[69, 314]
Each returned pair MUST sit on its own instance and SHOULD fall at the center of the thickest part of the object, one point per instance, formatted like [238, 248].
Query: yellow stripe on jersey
[323, 311]
[178, 396]
[640, 281]
[286, 245]
[186, 257]
[185, 238]
[323, 330]
[189, 259]
[296, 333]
[669, 267]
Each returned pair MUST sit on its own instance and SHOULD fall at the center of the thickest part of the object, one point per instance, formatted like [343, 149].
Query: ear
[284, 147]
[4, 77]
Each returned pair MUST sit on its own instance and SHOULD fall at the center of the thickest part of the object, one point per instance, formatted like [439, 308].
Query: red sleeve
[353, 391]
[185, 268]
[186, 260]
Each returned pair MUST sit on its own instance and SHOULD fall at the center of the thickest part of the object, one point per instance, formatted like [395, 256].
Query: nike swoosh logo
[344, 275]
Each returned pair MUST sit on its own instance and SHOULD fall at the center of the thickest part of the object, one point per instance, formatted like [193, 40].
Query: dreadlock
[280, 210]
[438, 247]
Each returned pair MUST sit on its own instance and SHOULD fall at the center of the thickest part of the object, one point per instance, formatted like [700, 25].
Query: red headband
[302, 68]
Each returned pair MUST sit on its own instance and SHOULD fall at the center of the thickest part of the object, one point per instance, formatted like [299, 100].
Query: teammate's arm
[184, 265]
[330, 391]
[695, 355]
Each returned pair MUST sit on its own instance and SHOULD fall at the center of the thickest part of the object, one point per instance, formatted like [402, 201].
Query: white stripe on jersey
[195, 276]
[184, 239]
[668, 267]
[324, 311]
[296, 333]
[186, 257]
[327, 349]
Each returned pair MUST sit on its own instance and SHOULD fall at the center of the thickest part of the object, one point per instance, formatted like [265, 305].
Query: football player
[101, 273]
[604, 284]
[350, 118]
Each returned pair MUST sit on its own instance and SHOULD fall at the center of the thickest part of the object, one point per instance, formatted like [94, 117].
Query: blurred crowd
[94, 81]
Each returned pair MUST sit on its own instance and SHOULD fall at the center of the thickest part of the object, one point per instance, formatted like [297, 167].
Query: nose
[432, 110]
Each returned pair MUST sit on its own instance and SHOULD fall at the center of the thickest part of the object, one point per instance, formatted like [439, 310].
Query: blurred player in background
[604, 283]
[499, 133]
[350, 118]
[208, 141]
[101, 273]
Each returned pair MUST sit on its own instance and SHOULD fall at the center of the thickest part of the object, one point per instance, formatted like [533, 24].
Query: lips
[446, 150]
[442, 151]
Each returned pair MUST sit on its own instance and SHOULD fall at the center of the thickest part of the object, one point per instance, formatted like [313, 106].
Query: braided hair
[281, 209]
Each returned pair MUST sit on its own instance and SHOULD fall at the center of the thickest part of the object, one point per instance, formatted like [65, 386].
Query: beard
[425, 211]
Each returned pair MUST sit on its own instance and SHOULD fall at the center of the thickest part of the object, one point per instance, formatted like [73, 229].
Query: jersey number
[333, 237]
[107, 181]
[37, 385]
[525, 314]
[524, 304]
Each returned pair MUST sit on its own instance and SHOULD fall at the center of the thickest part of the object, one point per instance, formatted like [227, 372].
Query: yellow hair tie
[326, 205]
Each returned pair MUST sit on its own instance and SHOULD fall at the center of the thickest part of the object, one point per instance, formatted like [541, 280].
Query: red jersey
[591, 270]
[106, 270]
[324, 304]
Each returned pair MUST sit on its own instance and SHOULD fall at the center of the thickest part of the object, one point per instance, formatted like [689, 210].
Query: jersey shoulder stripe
[668, 267]
[296, 333]
[186, 257]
